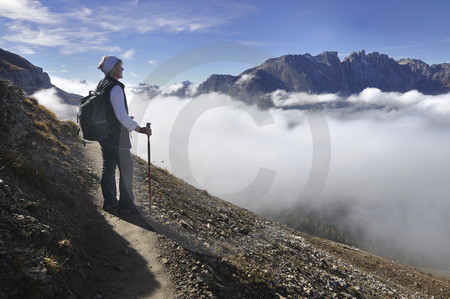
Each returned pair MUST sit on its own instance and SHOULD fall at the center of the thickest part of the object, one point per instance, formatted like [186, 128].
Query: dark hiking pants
[114, 157]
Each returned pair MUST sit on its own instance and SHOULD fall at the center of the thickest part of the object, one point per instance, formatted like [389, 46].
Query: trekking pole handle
[148, 125]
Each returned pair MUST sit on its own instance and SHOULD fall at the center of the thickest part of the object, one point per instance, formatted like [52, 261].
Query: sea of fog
[389, 164]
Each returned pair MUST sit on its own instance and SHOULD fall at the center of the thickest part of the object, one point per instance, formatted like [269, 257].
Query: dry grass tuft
[69, 127]
[11, 67]
[48, 111]
[65, 244]
[57, 146]
[31, 101]
[48, 126]
[41, 126]
[52, 264]
[31, 172]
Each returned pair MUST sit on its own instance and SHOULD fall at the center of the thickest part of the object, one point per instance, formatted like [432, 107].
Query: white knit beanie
[109, 64]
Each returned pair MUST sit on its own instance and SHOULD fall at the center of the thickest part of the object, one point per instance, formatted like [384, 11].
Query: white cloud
[152, 62]
[192, 89]
[30, 29]
[172, 88]
[49, 99]
[25, 50]
[26, 10]
[197, 26]
[244, 79]
[436, 108]
[86, 11]
[69, 40]
[281, 98]
[38, 26]
[129, 54]
[77, 86]
[376, 96]
[24, 34]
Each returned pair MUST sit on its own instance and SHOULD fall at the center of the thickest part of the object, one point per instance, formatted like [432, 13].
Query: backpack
[92, 117]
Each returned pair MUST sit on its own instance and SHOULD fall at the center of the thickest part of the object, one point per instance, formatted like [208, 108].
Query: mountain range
[323, 73]
[326, 73]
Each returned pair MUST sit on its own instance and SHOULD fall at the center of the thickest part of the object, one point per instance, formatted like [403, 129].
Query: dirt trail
[132, 267]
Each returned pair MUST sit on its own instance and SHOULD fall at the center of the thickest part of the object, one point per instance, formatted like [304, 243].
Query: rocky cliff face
[325, 73]
[28, 76]
[381, 71]
[22, 73]
[31, 80]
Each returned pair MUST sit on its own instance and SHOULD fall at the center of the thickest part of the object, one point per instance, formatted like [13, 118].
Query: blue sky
[67, 38]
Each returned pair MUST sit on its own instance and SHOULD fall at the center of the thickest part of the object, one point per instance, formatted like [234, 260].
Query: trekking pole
[149, 171]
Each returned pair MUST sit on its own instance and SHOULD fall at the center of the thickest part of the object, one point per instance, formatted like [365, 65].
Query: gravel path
[130, 273]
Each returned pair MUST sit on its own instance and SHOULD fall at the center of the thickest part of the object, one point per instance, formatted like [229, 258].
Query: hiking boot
[110, 208]
[134, 209]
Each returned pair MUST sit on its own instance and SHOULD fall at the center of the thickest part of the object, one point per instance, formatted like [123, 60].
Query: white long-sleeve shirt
[118, 104]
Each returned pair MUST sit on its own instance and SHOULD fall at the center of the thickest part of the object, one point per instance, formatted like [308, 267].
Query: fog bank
[389, 160]
[390, 165]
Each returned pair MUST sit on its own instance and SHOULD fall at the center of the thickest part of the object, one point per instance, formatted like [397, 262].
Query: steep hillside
[325, 73]
[233, 253]
[44, 191]
[53, 238]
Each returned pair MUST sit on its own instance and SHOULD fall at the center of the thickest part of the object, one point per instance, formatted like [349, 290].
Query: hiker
[116, 148]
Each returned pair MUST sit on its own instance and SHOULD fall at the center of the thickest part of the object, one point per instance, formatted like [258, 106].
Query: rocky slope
[28, 76]
[52, 236]
[325, 73]
[225, 251]
[44, 192]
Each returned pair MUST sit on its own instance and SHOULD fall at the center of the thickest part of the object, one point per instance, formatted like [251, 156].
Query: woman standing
[116, 148]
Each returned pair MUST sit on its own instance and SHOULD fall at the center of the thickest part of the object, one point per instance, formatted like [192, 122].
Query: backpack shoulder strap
[106, 89]
[98, 85]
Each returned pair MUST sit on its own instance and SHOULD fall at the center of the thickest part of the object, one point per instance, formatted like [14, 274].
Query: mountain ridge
[323, 73]
[326, 73]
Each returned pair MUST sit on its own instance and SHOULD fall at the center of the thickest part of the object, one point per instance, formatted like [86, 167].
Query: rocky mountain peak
[355, 56]
[330, 58]
[417, 65]
[411, 61]
[376, 59]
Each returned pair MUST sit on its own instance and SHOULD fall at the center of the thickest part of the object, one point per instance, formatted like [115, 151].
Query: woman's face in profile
[118, 72]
